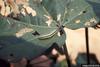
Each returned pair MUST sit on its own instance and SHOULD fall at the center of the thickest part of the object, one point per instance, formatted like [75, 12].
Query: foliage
[28, 28]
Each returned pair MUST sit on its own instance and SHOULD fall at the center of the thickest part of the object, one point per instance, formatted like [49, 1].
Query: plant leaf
[17, 38]
[37, 25]
[80, 14]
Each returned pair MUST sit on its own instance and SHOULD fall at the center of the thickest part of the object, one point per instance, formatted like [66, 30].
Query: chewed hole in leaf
[77, 21]
[87, 24]
[23, 31]
[49, 20]
[91, 21]
[84, 11]
[58, 17]
[35, 33]
[59, 34]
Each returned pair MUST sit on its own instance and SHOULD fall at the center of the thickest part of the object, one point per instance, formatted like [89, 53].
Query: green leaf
[31, 34]
[55, 7]
[19, 38]
[80, 14]
[95, 5]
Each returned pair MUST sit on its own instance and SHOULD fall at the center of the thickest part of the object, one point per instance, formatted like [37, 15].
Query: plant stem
[87, 45]
[66, 54]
